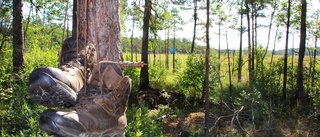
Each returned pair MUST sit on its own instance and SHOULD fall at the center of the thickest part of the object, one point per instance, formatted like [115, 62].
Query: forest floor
[183, 125]
[191, 124]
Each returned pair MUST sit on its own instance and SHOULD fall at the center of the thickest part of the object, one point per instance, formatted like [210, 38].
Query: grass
[224, 62]
[22, 114]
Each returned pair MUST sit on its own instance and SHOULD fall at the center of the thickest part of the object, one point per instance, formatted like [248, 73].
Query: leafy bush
[140, 123]
[158, 76]
[19, 114]
[191, 79]
[270, 82]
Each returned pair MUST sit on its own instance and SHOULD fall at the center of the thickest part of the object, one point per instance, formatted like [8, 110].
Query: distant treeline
[183, 46]
[295, 52]
[159, 46]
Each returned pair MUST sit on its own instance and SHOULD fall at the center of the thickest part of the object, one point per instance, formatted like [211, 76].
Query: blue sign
[172, 50]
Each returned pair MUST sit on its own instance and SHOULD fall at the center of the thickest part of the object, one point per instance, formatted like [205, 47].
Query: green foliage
[134, 74]
[19, 115]
[269, 82]
[157, 74]
[5, 5]
[140, 124]
[40, 37]
[191, 78]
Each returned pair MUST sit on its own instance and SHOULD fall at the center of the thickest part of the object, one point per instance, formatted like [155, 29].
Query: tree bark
[251, 73]
[240, 48]
[74, 18]
[100, 25]
[144, 75]
[133, 22]
[65, 21]
[274, 44]
[269, 32]
[284, 87]
[229, 66]
[195, 25]
[28, 21]
[207, 75]
[249, 42]
[300, 92]
[18, 59]
[314, 55]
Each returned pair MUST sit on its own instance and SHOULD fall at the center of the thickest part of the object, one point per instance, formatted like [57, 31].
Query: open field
[182, 58]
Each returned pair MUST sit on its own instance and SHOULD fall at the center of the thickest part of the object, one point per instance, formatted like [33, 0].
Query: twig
[236, 112]
[162, 117]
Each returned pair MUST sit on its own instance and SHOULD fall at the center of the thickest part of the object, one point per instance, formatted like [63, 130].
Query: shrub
[191, 79]
[140, 123]
[19, 114]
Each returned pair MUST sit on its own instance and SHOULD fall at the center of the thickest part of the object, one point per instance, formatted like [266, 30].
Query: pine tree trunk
[253, 44]
[27, 26]
[194, 26]
[269, 32]
[240, 48]
[99, 24]
[74, 18]
[284, 87]
[249, 42]
[229, 67]
[17, 28]
[300, 92]
[207, 106]
[144, 75]
[314, 56]
[292, 51]
[274, 44]
[132, 41]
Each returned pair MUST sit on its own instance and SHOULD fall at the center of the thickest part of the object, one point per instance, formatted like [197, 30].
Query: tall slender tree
[240, 47]
[18, 59]
[249, 41]
[175, 14]
[74, 18]
[195, 18]
[144, 75]
[253, 28]
[274, 5]
[284, 87]
[207, 107]
[300, 92]
[229, 63]
[131, 41]
[316, 35]
[274, 44]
